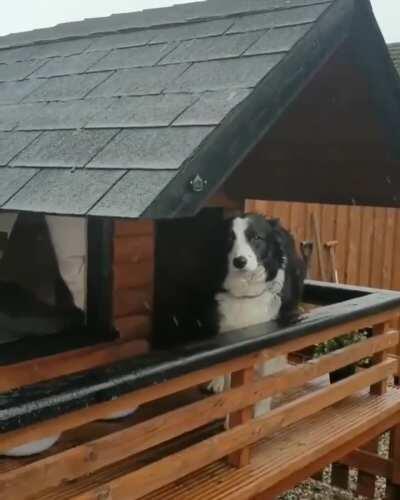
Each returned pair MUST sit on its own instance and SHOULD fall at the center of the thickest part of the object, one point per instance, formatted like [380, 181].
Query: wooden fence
[368, 249]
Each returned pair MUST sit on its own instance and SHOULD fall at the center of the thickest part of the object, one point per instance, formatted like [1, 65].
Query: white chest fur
[261, 304]
[239, 312]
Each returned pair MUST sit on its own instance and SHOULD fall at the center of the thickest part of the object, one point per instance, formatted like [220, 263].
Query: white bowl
[121, 414]
[32, 448]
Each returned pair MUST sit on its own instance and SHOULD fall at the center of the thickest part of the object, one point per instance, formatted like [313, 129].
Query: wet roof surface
[98, 111]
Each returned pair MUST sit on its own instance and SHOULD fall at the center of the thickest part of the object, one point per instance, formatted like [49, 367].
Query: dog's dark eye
[257, 237]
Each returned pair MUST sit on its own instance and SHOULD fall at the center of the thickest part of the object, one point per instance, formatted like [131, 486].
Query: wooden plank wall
[133, 278]
[368, 251]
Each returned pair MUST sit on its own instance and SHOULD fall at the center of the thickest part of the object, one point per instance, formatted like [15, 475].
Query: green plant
[339, 343]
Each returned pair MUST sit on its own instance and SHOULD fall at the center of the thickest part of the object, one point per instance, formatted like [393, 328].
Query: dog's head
[254, 243]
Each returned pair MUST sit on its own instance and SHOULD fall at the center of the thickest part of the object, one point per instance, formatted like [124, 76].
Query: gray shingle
[139, 81]
[11, 143]
[62, 88]
[133, 57]
[69, 65]
[14, 92]
[220, 75]
[17, 54]
[63, 48]
[64, 148]
[212, 107]
[279, 39]
[132, 194]
[278, 18]
[205, 49]
[121, 40]
[63, 191]
[144, 111]
[62, 115]
[163, 149]
[192, 30]
[17, 71]
[146, 18]
[12, 179]
[13, 114]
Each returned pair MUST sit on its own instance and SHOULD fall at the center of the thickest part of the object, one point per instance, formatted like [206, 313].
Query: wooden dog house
[128, 127]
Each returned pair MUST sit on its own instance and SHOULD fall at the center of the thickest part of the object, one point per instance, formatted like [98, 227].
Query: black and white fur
[263, 282]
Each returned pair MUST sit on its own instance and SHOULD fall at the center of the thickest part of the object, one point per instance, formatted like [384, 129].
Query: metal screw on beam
[198, 184]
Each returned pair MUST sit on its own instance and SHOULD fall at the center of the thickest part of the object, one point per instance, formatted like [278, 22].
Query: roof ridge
[17, 40]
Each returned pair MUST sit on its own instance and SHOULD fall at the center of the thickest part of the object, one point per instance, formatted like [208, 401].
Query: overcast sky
[22, 15]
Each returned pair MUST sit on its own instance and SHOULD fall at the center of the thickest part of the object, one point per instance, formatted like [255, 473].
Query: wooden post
[393, 486]
[100, 277]
[366, 482]
[242, 377]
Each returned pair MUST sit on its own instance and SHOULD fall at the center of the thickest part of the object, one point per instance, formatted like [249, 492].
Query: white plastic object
[32, 448]
[121, 414]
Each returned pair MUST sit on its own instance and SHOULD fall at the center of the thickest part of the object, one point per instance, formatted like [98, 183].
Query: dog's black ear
[274, 222]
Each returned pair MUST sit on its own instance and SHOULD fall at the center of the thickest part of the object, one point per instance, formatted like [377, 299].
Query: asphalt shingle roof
[98, 116]
[394, 49]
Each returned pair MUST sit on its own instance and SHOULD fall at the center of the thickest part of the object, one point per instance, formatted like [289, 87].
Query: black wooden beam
[100, 278]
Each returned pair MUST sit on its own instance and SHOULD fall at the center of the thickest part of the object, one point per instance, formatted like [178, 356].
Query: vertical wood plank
[381, 387]
[367, 229]
[353, 245]
[341, 236]
[390, 227]
[297, 221]
[316, 226]
[377, 251]
[242, 457]
[315, 272]
[328, 222]
[396, 264]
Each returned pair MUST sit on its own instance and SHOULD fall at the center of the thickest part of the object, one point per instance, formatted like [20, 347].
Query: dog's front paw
[217, 385]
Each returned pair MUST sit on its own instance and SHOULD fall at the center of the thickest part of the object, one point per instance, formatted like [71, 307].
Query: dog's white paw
[217, 386]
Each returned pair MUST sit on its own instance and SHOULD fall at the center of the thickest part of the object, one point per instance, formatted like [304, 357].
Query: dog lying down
[263, 282]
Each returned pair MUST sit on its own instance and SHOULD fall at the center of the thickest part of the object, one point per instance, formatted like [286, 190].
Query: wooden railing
[178, 432]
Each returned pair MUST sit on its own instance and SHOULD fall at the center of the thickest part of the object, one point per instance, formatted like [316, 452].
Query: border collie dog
[263, 281]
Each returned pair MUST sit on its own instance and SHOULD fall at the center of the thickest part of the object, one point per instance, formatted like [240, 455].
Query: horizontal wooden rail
[91, 456]
[141, 396]
[57, 365]
[369, 462]
[149, 478]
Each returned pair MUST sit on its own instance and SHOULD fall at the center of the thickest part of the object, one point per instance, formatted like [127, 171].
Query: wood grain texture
[151, 477]
[368, 239]
[38, 370]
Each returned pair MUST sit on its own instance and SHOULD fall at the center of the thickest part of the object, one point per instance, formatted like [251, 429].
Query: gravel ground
[322, 490]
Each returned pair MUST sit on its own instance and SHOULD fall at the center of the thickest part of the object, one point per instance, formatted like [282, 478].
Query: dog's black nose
[240, 262]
